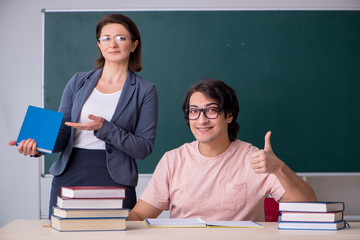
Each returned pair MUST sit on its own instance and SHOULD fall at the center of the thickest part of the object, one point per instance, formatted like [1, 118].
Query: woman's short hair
[224, 95]
[135, 57]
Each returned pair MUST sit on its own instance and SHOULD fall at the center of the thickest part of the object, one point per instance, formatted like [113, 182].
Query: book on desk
[197, 223]
[89, 203]
[92, 192]
[312, 206]
[312, 216]
[90, 214]
[312, 225]
[88, 224]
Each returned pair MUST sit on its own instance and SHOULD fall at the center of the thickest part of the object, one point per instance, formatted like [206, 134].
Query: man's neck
[213, 149]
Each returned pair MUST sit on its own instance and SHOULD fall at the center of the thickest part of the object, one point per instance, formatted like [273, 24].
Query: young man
[217, 177]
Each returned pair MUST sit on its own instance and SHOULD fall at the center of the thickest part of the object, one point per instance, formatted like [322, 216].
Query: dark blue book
[43, 126]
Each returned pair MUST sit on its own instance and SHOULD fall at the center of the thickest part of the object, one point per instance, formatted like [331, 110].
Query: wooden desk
[34, 230]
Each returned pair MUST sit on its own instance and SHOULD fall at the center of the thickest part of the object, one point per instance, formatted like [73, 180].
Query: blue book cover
[42, 125]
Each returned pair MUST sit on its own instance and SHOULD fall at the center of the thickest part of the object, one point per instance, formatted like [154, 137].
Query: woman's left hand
[93, 125]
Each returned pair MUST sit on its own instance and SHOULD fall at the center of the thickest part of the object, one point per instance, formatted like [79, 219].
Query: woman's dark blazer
[129, 135]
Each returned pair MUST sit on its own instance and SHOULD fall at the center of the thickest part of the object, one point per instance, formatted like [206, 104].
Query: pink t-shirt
[213, 188]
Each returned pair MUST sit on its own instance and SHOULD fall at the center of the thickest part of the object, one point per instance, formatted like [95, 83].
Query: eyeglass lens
[118, 39]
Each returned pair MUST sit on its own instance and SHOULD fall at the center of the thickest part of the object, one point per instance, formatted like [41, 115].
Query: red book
[92, 192]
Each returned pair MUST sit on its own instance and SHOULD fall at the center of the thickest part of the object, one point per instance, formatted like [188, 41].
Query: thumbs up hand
[265, 161]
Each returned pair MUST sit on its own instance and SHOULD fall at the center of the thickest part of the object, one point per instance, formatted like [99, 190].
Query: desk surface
[34, 229]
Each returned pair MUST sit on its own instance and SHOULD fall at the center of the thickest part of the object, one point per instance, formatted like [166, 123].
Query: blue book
[42, 125]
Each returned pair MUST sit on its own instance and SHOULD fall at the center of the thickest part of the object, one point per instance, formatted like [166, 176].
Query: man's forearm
[296, 189]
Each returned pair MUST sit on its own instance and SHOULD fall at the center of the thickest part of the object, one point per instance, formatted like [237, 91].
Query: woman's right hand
[26, 147]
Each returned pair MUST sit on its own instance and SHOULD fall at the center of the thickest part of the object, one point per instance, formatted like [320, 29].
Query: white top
[98, 104]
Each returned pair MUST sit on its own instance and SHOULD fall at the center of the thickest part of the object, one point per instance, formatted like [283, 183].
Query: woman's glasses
[119, 39]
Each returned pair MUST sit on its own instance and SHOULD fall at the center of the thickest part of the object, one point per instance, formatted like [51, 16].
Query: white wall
[20, 65]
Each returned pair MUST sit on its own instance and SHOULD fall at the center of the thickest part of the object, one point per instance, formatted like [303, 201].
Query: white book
[312, 225]
[89, 203]
[311, 206]
[92, 192]
[311, 216]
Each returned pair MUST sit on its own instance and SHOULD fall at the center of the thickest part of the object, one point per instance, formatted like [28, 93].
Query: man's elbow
[299, 196]
[311, 195]
[134, 216]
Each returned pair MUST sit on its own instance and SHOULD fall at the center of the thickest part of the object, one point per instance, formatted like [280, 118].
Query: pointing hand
[95, 124]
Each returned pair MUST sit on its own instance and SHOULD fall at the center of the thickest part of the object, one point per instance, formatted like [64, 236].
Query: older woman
[110, 116]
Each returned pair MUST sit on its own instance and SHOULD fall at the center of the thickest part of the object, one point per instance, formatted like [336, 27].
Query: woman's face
[116, 43]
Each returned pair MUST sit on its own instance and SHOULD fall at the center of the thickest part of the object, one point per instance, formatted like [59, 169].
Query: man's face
[205, 130]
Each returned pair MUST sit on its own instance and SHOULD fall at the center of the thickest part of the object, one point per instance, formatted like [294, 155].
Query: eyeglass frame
[114, 37]
[202, 110]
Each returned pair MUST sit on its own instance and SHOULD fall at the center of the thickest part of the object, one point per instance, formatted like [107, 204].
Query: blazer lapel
[126, 95]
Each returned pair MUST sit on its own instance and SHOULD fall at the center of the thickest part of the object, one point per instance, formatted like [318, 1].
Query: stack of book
[90, 209]
[312, 215]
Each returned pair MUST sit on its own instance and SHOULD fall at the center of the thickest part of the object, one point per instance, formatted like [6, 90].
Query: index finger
[20, 145]
[254, 154]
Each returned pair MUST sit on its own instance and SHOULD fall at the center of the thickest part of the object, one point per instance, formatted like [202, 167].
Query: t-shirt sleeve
[157, 192]
[276, 189]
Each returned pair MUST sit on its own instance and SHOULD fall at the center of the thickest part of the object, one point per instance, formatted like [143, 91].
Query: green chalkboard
[297, 73]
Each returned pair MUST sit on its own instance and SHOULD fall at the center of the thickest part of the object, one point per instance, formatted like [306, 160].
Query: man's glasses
[209, 112]
[119, 39]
